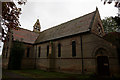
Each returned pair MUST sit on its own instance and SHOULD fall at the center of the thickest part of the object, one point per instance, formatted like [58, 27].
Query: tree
[114, 38]
[110, 1]
[10, 16]
[16, 55]
[117, 19]
[117, 4]
[110, 24]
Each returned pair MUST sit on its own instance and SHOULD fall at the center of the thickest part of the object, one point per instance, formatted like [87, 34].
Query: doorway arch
[102, 62]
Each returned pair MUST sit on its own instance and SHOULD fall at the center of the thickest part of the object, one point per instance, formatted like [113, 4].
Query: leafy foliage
[114, 38]
[117, 19]
[10, 16]
[16, 55]
[117, 4]
[110, 24]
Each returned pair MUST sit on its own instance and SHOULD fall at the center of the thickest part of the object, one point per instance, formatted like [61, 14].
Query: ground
[39, 74]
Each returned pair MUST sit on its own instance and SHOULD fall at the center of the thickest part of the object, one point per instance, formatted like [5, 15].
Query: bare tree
[117, 4]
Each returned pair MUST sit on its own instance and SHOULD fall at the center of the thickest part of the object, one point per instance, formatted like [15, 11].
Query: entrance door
[103, 65]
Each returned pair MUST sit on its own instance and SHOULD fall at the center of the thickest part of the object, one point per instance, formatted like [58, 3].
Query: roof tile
[72, 27]
[25, 35]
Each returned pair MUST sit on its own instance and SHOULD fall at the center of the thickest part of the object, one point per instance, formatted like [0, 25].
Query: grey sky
[55, 12]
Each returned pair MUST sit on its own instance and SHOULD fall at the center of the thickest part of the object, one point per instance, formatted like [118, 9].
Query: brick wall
[67, 63]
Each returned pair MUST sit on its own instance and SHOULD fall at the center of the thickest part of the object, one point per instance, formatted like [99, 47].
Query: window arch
[73, 48]
[59, 50]
[28, 52]
[39, 51]
[47, 50]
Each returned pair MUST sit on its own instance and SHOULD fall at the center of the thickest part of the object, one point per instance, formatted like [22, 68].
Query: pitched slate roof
[24, 35]
[75, 26]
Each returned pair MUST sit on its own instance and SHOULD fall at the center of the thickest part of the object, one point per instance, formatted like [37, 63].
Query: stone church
[75, 46]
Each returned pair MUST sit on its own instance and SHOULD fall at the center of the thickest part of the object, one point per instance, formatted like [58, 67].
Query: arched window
[39, 51]
[28, 52]
[99, 29]
[73, 48]
[47, 50]
[59, 50]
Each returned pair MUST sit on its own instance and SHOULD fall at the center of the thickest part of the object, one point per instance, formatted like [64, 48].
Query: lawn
[36, 74]
[46, 74]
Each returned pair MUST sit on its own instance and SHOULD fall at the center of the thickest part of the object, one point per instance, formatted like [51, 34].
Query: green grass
[45, 74]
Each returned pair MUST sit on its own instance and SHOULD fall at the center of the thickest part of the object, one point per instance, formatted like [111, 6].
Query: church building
[75, 46]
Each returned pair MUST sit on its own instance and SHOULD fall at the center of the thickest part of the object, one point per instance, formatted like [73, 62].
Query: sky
[54, 12]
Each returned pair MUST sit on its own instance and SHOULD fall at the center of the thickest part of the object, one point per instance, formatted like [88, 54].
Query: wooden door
[103, 65]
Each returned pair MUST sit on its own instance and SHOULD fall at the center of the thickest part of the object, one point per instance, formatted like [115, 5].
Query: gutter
[82, 54]
[87, 31]
[35, 56]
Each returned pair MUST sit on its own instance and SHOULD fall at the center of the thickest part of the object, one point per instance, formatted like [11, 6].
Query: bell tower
[37, 27]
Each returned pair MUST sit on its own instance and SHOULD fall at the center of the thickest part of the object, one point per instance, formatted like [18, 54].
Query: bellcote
[37, 27]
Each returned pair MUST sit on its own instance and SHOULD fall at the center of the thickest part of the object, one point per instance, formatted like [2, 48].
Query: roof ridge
[69, 21]
[92, 21]
[68, 28]
[25, 29]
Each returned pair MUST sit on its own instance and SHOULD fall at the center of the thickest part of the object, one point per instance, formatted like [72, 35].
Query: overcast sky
[55, 12]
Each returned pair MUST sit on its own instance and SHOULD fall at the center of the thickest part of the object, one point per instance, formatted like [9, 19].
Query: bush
[16, 55]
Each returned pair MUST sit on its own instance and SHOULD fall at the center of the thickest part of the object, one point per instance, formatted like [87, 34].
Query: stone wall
[28, 62]
[91, 43]
[67, 63]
